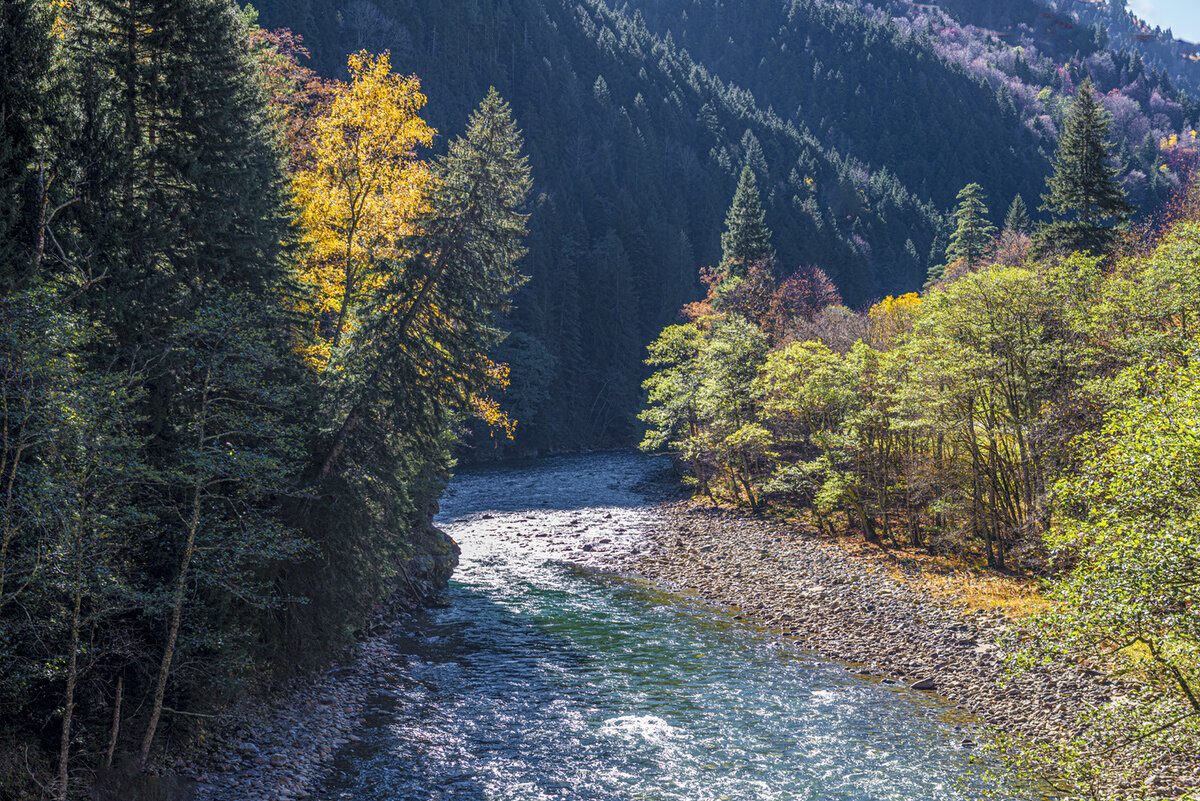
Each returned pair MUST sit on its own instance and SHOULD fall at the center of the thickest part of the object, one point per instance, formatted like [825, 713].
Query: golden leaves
[891, 319]
[358, 193]
[488, 410]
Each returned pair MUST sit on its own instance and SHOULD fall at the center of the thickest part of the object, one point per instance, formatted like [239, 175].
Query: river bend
[546, 677]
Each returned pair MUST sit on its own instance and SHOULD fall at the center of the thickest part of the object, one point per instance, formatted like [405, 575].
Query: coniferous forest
[640, 116]
[919, 274]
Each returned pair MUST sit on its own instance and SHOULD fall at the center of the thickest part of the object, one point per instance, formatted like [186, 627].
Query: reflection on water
[543, 680]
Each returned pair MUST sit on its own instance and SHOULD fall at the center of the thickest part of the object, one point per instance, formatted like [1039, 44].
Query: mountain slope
[862, 125]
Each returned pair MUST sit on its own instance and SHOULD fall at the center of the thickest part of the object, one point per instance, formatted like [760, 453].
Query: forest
[1032, 411]
[267, 275]
[245, 317]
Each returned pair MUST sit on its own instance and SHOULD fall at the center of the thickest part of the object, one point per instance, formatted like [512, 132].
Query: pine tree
[973, 235]
[1083, 193]
[753, 155]
[183, 174]
[747, 239]
[1017, 220]
[184, 211]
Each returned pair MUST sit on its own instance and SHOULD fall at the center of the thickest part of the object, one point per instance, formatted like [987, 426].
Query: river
[546, 677]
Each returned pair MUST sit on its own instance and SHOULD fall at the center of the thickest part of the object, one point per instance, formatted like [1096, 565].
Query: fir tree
[1084, 196]
[184, 212]
[747, 239]
[973, 235]
[1017, 220]
[752, 154]
[934, 274]
[169, 218]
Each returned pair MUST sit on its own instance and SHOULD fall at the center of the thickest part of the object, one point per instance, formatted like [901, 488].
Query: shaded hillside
[865, 88]
[634, 148]
[861, 128]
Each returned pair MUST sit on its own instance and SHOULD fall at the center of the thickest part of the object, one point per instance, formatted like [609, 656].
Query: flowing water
[544, 679]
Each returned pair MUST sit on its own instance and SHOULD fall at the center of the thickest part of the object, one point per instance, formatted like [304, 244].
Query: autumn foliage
[358, 190]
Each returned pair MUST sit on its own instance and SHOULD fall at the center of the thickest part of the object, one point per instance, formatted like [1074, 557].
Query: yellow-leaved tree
[359, 192]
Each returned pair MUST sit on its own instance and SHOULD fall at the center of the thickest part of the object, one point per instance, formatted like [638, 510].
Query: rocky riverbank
[278, 750]
[851, 608]
[843, 604]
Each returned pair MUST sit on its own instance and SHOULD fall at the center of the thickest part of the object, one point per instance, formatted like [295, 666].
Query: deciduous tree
[359, 193]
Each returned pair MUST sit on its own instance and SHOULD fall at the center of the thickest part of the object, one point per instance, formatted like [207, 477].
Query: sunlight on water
[545, 680]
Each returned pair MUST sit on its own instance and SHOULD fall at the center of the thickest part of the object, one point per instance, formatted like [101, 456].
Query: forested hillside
[861, 124]
[263, 277]
[636, 148]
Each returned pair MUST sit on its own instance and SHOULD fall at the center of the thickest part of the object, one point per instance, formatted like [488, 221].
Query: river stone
[923, 684]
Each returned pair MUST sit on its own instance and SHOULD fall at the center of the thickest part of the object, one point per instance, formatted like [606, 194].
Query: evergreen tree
[26, 107]
[752, 154]
[183, 210]
[935, 273]
[412, 372]
[1017, 220]
[747, 239]
[973, 235]
[183, 176]
[1084, 196]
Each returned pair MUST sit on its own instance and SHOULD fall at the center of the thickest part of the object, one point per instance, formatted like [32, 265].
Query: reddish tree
[800, 297]
[751, 296]
[297, 94]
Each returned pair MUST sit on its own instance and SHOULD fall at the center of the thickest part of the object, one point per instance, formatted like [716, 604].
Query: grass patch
[1015, 597]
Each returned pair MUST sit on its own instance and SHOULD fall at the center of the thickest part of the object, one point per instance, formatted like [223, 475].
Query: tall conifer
[1083, 193]
[26, 110]
[974, 235]
[435, 319]
[189, 191]
[1017, 220]
[746, 239]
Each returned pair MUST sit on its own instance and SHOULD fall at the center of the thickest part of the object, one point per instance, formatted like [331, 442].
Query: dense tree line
[1033, 414]
[243, 323]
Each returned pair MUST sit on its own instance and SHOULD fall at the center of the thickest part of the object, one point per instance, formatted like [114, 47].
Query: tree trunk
[116, 724]
[164, 669]
[750, 496]
[867, 527]
[189, 550]
[348, 278]
[64, 747]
